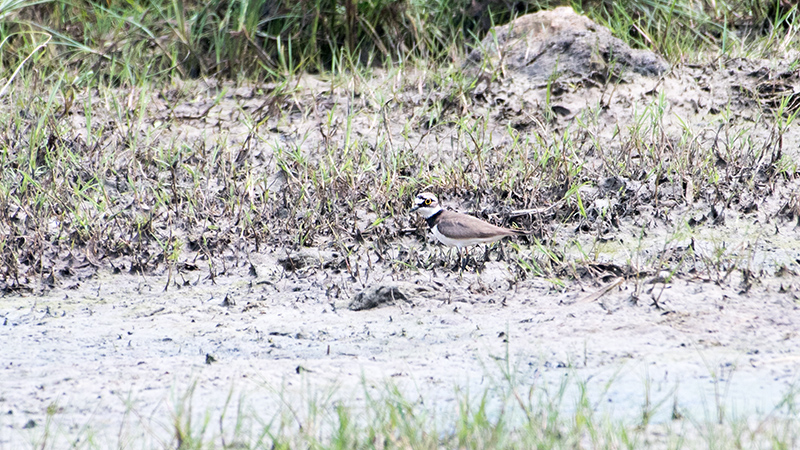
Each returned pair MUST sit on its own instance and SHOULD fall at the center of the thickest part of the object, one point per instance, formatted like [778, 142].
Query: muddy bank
[663, 255]
[122, 354]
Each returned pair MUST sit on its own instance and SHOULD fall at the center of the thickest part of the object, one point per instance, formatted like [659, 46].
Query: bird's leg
[486, 254]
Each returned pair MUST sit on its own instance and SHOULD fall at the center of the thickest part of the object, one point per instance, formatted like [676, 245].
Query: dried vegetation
[117, 160]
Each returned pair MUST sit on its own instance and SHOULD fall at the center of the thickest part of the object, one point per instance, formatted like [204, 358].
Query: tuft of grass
[251, 39]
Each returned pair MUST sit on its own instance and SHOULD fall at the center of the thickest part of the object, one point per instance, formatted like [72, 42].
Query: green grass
[127, 42]
[507, 415]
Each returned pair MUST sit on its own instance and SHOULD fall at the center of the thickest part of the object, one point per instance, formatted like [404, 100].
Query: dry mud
[114, 357]
[118, 359]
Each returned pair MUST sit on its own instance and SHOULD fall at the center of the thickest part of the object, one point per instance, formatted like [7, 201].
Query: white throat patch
[428, 211]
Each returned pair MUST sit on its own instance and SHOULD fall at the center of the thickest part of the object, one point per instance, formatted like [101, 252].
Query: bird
[455, 229]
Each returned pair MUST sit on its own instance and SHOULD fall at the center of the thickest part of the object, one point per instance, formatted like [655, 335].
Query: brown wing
[462, 226]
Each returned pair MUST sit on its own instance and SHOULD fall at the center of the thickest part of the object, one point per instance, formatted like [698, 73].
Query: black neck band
[432, 219]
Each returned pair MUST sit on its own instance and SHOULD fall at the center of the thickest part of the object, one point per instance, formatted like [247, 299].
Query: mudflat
[212, 274]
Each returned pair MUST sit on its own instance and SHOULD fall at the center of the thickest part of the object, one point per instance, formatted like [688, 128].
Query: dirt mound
[561, 41]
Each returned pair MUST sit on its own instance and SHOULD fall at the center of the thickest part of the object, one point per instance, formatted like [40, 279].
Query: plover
[456, 229]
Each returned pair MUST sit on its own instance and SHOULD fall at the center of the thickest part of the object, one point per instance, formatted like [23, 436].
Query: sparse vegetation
[547, 414]
[173, 137]
[93, 169]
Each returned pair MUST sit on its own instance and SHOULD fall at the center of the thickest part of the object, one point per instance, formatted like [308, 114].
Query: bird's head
[426, 204]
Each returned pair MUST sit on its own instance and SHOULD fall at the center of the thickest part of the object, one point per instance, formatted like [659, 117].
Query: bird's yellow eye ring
[427, 202]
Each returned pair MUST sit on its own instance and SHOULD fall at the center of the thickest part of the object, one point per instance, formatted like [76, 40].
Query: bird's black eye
[427, 201]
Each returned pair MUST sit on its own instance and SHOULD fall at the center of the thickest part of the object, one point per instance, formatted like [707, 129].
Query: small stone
[375, 296]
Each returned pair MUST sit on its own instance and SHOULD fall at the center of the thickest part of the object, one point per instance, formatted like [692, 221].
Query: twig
[602, 291]
[526, 212]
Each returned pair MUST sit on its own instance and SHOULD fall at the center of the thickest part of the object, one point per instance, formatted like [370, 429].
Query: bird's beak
[416, 207]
